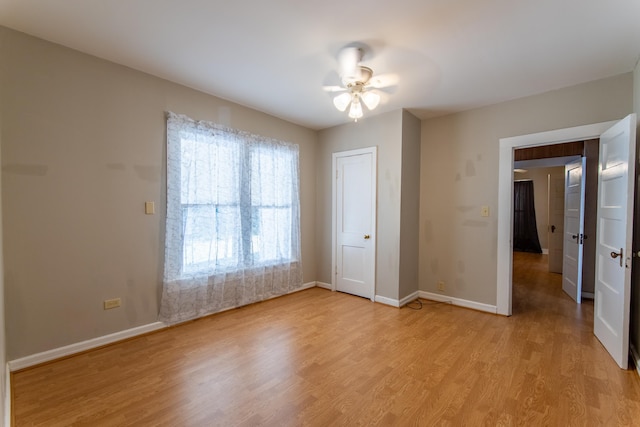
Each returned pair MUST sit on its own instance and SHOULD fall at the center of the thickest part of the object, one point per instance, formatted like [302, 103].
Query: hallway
[536, 291]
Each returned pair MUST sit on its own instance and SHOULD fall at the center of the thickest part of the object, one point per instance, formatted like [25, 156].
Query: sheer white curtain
[233, 219]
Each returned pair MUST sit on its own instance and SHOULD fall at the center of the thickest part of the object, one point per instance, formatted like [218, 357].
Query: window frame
[250, 250]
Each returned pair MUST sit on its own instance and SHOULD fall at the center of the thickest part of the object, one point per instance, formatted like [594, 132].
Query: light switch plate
[484, 211]
[149, 208]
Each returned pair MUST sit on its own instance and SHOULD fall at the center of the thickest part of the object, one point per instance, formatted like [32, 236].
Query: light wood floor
[321, 358]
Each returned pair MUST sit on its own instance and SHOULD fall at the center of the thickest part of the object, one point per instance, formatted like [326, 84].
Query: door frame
[504, 285]
[580, 233]
[334, 214]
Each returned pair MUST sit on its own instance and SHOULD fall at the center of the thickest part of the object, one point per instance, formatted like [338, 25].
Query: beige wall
[410, 205]
[83, 147]
[459, 174]
[635, 292]
[385, 132]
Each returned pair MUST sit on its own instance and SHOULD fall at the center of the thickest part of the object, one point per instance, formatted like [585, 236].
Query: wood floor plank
[319, 358]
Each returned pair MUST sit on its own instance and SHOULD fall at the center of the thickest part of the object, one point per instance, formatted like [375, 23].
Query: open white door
[556, 223]
[573, 229]
[355, 206]
[616, 171]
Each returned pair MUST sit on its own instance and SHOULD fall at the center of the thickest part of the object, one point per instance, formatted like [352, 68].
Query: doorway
[547, 167]
[615, 200]
[354, 222]
[560, 246]
[505, 190]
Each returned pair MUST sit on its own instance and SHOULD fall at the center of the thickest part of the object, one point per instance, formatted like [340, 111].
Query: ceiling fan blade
[383, 80]
[333, 89]
[384, 96]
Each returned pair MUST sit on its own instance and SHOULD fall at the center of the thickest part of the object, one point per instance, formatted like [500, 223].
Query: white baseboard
[387, 301]
[413, 296]
[459, 302]
[305, 286]
[588, 295]
[545, 251]
[324, 285]
[57, 353]
[394, 302]
[635, 356]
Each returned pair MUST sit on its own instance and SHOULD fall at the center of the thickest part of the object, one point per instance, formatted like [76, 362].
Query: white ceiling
[276, 55]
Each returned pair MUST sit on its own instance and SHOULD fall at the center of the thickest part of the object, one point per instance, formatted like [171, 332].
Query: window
[232, 231]
[235, 216]
[237, 200]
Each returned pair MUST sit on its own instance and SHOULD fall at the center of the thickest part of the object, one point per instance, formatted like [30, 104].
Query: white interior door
[573, 229]
[355, 204]
[556, 223]
[614, 235]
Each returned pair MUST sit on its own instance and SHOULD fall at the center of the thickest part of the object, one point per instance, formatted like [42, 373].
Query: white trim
[437, 297]
[588, 295]
[459, 302]
[7, 396]
[545, 251]
[304, 287]
[505, 196]
[324, 285]
[334, 164]
[411, 297]
[387, 301]
[635, 356]
[57, 353]
[394, 302]
[334, 220]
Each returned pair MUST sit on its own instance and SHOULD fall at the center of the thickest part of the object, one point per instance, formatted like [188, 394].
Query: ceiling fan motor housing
[362, 76]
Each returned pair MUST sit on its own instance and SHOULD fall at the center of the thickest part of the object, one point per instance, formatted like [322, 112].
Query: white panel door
[616, 169]
[573, 229]
[355, 202]
[556, 223]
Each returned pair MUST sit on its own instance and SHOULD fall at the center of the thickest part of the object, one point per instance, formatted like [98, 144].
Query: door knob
[367, 237]
[553, 228]
[615, 255]
[574, 236]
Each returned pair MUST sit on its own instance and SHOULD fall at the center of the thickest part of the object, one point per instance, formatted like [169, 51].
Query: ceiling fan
[357, 83]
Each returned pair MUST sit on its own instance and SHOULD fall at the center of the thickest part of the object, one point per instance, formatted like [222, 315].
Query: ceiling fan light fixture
[357, 82]
[355, 112]
[342, 101]
[371, 100]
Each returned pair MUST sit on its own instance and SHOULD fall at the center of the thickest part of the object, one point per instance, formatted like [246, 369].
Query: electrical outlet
[441, 285]
[112, 303]
[484, 211]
